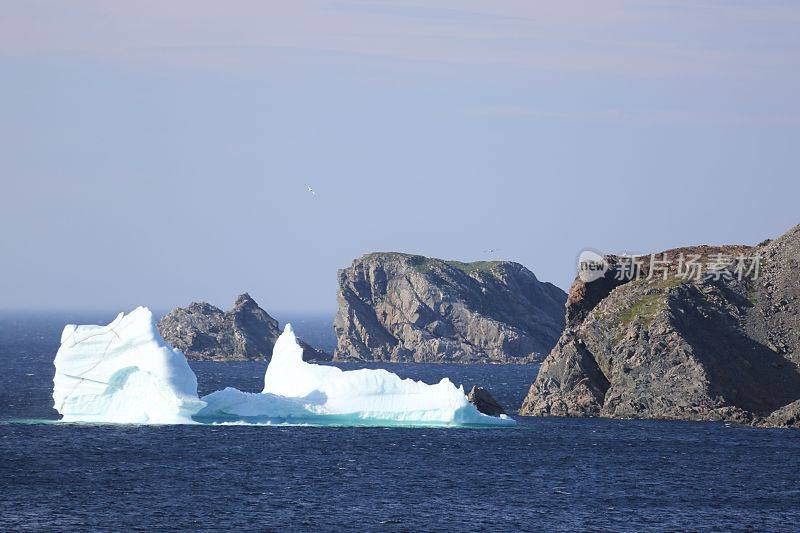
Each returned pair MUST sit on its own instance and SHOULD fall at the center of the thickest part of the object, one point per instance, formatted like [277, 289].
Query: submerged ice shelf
[126, 373]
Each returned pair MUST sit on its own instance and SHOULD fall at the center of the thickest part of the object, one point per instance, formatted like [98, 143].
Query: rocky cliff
[401, 307]
[203, 331]
[681, 348]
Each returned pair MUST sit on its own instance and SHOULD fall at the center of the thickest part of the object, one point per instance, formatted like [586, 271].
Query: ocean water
[543, 474]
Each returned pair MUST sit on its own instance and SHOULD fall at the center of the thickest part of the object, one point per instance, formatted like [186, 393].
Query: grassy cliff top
[429, 262]
[475, 266]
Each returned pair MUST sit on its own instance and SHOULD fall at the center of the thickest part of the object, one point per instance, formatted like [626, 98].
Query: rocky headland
[245, 332]
[402, 307]
[670, 347]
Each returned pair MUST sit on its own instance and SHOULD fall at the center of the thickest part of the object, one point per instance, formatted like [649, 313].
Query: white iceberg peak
[286, 349]
[125, 372]
[366, 394]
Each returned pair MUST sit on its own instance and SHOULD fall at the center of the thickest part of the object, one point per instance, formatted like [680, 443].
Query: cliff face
[203, 331]
[400, 307]
[714, 349]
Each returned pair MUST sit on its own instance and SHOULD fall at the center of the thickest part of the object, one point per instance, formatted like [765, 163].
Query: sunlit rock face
[402, 307]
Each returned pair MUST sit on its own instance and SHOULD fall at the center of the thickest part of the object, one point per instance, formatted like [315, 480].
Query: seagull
[490, 250]
[311, 190]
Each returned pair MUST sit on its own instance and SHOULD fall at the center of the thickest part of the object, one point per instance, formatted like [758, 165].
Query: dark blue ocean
[544, 474]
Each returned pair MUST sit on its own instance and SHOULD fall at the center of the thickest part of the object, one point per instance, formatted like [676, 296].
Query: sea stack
[402, 307]
[245, 332]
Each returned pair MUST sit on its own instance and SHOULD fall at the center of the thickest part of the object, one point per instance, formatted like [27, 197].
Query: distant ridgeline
[721, 346]
[401, 307]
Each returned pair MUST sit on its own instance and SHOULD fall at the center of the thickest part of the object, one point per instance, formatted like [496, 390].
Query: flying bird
[490, 250]
[311, 190]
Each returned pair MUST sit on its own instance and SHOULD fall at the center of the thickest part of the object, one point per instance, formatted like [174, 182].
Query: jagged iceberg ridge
[126, 373]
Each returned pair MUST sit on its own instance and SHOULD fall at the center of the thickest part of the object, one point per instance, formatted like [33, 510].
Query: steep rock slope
[401, 307]
[713, 349]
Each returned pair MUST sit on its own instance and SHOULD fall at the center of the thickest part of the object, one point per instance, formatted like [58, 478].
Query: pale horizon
[159, 154]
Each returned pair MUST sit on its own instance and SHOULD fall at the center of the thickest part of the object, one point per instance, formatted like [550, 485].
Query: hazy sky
[157, 152]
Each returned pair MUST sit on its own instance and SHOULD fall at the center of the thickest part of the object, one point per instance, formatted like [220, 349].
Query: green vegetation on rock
[475, 266]
[644, 309]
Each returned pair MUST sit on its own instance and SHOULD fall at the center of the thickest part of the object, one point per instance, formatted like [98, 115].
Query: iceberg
[126, 373]
[296, 391]
[123, 372]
